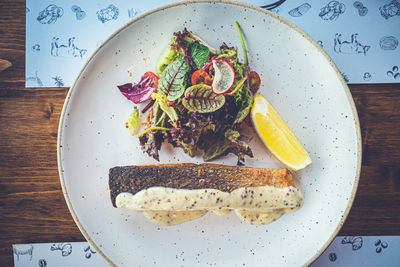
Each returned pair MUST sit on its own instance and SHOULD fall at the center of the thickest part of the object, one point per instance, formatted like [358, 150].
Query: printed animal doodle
[345, 77]
[391, 9]
[332, 10]
[66, 248]
[59, 49]
[349, 47]
[332, 256]
[367, 76]
[362, 10]
[20, 250]
[355, 241]
[300, 10]
[388, 43]
[380, 245]
[50, 14]
[394, 72]
[132, 13]
[36, 48]
[79, 13]
[42, 263]
[88, 252]
[109, 13]
[58, 81]
[34, 81]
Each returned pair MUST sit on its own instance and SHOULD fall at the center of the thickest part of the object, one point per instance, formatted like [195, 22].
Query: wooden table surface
[32, 205]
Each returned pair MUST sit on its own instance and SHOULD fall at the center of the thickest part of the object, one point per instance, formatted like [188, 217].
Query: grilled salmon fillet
[132, 179]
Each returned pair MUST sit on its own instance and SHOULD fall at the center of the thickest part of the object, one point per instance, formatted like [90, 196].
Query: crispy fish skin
[133, 179]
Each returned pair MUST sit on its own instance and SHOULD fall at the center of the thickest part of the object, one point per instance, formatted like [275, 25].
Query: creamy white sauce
[171, 217]
[221, 211]
[255, 205]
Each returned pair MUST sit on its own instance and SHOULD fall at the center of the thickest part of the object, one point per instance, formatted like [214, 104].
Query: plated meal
[296, 77]
[199, 99]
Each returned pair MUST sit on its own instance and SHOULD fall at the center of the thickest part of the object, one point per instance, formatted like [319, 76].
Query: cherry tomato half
[254, 81]
[200, 76]
[152, 76]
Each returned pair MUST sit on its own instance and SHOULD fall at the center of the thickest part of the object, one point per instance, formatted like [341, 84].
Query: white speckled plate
[298, 78]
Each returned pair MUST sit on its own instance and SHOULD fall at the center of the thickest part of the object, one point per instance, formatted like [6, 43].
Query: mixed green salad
[198, 99]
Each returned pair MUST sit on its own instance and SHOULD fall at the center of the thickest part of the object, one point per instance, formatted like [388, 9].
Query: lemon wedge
[277, 136]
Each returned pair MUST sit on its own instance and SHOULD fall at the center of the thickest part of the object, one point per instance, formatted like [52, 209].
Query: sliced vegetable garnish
[142, 91]
[201, 98]
[152, 76]
[254, 81]
[238, 86]
[200, 76]
[224, 76]
[173, 79]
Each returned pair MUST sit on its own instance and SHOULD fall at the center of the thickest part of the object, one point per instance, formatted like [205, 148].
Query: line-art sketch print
[390, 9]
[36, 48]
[349, 47]
[332, 256]
[380, 245]
[332, 10]
[345, 77]
[367, 76]
[300, 10]
[388, 43]
[42, 263]
[109, 13]
[59, 49]
[34, 81]
[21, 250]
[355, 241]
[362, 10]
[79, 13]
[89, 251]
[66, 248]
[394, 72]
[132, 13]
[58, 81]
[50, 14]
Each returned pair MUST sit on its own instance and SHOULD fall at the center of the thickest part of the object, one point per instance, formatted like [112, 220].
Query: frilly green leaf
[133, 123]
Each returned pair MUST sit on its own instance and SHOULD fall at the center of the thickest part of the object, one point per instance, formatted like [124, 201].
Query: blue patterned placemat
[362, 37]
[343, 251]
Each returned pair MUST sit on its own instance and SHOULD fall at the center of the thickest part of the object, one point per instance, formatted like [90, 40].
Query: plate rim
[230, 2]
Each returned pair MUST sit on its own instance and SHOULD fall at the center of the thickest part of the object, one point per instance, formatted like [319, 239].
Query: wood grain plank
[31, 202]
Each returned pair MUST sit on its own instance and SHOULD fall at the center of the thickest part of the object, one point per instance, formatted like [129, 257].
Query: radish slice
[224, 76]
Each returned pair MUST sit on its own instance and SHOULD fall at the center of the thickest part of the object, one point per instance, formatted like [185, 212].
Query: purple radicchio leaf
[140, 92]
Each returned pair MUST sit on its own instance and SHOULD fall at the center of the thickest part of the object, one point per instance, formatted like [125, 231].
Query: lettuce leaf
[139, 92]
[173, 79]
[183, 38]
[162, 101]
[133, 123]
[166, 57]
[199, 53]
[229, 141]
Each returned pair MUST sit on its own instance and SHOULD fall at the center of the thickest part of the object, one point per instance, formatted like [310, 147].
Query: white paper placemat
[343, 251]
[362, 37]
